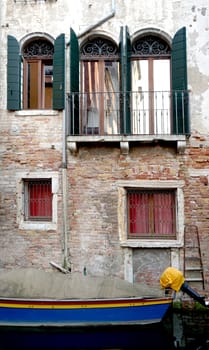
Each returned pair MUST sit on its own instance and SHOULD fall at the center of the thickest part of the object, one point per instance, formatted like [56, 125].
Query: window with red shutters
[38, 200]
[151, 214]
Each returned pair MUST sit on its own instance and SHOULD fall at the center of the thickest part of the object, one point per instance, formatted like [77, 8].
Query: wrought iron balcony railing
[132, 113]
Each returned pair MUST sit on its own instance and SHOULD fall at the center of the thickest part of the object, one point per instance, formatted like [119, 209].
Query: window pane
[140, 97]
[38, 66]
[33, 72]
[91, 98]
[100, 98]
[100, 87]
[48, 78]
[164, 213]
[162, 96]
[151, 214]
[40, 200]
[151, 86]
[162, 69]
[140, 80]
[111, 97]
[138, 212]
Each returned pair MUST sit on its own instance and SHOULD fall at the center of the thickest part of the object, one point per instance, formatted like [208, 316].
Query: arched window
[151, 85]
[100, 86]
[94, 99]
[137, 88]
[38, 74]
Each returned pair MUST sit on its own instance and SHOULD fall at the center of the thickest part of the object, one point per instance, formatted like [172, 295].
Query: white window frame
[123, 219]
[36, 225]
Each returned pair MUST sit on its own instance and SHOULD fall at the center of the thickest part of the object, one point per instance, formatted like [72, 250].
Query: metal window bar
[38, 200]
[151, 214]
[182, 108]
[100, 112]
[180, 101]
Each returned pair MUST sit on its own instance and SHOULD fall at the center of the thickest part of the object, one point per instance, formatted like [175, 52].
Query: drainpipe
[64, 149]
[100, 22]
[64, 187]
[64, 192]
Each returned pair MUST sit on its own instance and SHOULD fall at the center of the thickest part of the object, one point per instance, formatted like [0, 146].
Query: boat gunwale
[66, 301]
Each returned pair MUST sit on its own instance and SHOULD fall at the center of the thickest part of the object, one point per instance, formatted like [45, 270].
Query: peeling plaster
[203, 11]
[196, 75]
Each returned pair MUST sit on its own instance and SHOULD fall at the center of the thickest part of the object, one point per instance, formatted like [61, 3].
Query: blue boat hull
[79, 313]
[146, 314]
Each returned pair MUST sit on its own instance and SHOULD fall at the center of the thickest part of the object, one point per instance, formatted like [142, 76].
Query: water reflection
[142, 338]
[189, 331]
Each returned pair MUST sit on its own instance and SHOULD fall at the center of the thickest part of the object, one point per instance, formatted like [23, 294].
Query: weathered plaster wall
[21, 18]
[34, 143]
[198, 68]
[94, 175]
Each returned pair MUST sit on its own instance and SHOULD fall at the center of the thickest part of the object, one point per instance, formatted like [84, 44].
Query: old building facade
[104, 137]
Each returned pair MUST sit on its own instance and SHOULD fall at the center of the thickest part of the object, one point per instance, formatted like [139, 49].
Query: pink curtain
[164, 211]
[40, 199]
[151, 213]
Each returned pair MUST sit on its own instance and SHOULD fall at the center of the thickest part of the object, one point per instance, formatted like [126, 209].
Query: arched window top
[150, 45]
[98, 48]
[38, 48]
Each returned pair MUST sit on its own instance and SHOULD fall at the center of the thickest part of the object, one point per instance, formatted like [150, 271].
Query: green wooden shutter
[13, 74]
[74, 83]
[125, 80]
[59, 73]
[179, 84]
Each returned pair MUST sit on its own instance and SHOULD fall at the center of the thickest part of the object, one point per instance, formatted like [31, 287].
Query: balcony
[126, 117]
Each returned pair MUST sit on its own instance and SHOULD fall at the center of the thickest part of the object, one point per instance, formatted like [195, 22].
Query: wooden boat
[16, 312]
[40, 310]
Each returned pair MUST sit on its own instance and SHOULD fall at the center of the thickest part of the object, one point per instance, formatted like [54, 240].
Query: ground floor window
[38, 199]
[151, 213]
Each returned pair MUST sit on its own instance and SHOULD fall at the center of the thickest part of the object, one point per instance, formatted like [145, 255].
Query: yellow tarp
[172, 278]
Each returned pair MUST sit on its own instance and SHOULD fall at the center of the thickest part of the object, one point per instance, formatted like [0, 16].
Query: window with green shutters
[150, 97]
[151, 84]
[13, 74]
[36, 74]
[59, 73]
[74, 108]
[125, 81]
[180, 95]
[99, 86]
[159, 96]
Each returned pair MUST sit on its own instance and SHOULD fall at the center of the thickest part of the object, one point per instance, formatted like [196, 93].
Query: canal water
[179, 330]
[191, 329]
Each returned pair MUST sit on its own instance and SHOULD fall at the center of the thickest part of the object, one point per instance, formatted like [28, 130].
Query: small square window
[151, 213]
[38, 200]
